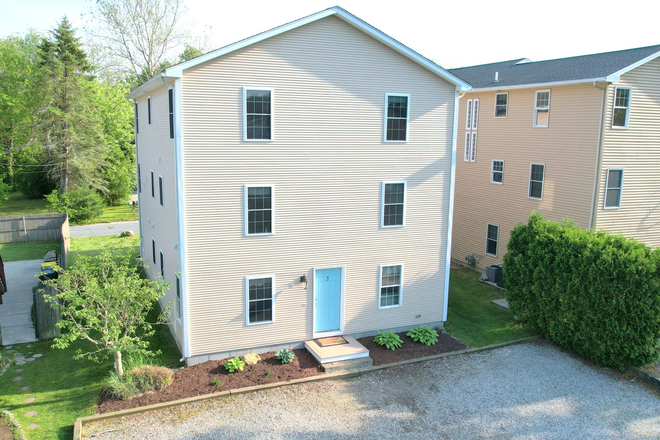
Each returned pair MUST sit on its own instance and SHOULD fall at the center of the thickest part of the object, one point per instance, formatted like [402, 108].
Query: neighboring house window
[139, 179]
[396, 120]
[394, 195]
[153, 185]
[160, 189]
[491, 239]
[259, 300]
[149, 110]
[472, 116]
[137, 125]
[162, 266]
[542, 108]
[259, 210]
[390, 286]
[178, 299]
[468, 115]
[536, 175]
[613, 188]
[497, 172]
[621, 107]
[470, 154]
[501, 105]
[258, 114]
[153, 250]
[170, 99]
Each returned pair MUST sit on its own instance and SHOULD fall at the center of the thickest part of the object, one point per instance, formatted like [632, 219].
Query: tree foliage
[103, 299]
[594, 293]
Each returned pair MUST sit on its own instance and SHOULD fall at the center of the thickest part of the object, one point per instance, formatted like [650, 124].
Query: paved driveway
[15, 321]
[103, 229]
[530, 391]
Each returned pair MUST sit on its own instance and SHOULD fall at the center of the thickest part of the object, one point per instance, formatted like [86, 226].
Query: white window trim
[529, 182]
[467, 147]
[272, 209]
[148, 110]
[162, 264]
[506, 106]
[492, 171]
[541, 108]
[625, 127]
[170, 113]
[475, 113]
[153, 186]
[272, 114]
[139, 178]
[382, 204]
[607, 183]
[387, 96]
[177, 298]
[468, 115]
[473, 147]
[380, 286]
[497, 242]
[161, 197]
[153, 250]
[247, 299]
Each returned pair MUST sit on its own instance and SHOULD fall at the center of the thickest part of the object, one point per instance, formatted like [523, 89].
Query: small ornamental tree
[104, 300]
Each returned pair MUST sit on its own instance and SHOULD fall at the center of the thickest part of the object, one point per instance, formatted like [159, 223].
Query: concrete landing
[501, 302]
[351, 364]
[15, 321]
[335, 353]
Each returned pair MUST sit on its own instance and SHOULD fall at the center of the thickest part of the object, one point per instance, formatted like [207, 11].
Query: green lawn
[93, 245]
[19, 205]
[27, 251]
[66, 389]
[472, 317]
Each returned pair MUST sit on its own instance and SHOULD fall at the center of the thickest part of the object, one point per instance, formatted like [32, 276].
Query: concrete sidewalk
[104, 229]
[15, 322]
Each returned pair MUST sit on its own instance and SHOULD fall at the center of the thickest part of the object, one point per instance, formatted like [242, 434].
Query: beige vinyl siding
[155, 151]
[637, 151]
[327, 163]
[567, 147]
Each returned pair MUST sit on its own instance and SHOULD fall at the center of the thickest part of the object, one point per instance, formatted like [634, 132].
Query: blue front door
[327, 300]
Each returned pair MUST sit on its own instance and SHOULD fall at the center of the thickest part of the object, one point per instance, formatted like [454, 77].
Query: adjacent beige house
[298, 184]
[573, 138]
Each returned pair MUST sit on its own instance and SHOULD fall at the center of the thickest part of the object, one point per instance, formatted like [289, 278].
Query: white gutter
[599, 152]
[450, 221]
[537, 85]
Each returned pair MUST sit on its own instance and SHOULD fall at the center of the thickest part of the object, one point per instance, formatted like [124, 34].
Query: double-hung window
[497, 172]
[536, 176]
[501, 105]
[258, 114]
[162, 265]
[149, 110]
[135, 114]
[492, 236]
[179, 314]
[153, 185]
[542, 108]
[258, 209]
[613, 188]
[390, 286]
[139, 179]
[260, 299]
[170, 100]
[397, 111]
[394, 203]
[153, 250]
[160, 189]
[621, 112]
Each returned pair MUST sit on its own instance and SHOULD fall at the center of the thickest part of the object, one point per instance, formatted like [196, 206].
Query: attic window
[542, 108]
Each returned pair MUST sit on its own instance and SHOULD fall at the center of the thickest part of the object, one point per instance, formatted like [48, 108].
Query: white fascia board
[177, 71]
[540, 85]
[614, 77]
[146, 87]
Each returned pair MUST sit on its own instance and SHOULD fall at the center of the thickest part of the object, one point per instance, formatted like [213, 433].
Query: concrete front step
[351, 349]
[351, 364]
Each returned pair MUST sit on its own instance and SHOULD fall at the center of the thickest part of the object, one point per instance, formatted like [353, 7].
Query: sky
[453, 34]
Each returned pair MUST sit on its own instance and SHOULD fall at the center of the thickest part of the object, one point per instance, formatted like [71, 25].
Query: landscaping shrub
[80, 204]
[234, 364]
[423, 334]
[594, 293]
[138, 379]
[285, 355]
[389, 340]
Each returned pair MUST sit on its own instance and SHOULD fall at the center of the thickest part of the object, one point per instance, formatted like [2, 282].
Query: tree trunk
[119, 369]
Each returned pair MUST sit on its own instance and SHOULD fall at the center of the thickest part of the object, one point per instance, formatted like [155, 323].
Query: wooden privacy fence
[45, 315]
[37, 227]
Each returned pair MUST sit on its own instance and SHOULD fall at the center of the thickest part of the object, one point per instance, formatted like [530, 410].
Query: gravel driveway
[530, 391]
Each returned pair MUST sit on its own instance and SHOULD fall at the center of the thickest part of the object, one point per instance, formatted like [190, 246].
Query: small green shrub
[234, 364]
[216, 382]
[285, 355]
[269, 373]
[389, 340]
[80, 204]
[423, 334]
[138, 379]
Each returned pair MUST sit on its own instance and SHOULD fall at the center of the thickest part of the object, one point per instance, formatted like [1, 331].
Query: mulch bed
[410, 349]
[198, 379]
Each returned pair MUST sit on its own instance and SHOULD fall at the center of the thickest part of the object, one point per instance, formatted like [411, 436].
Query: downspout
[180, 213]
[450, 222]
[599, 152]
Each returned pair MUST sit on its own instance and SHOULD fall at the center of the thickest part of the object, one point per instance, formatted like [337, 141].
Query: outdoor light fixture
[303, 279]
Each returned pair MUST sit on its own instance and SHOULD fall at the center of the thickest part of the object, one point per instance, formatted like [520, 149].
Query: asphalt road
[103, 229]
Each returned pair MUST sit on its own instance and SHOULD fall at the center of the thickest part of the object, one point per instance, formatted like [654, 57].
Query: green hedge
[594, 293]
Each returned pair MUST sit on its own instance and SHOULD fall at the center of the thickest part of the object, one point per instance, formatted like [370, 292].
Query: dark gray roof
[511, 73]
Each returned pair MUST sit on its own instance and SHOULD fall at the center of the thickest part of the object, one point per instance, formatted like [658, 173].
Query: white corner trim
[450, 215]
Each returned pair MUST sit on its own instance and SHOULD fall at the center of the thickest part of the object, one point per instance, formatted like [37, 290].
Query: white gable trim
[177, 71]
[615, 77]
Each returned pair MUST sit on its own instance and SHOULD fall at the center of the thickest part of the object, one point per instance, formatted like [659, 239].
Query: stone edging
[77, 426]
[18, 431]
[644, 376]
